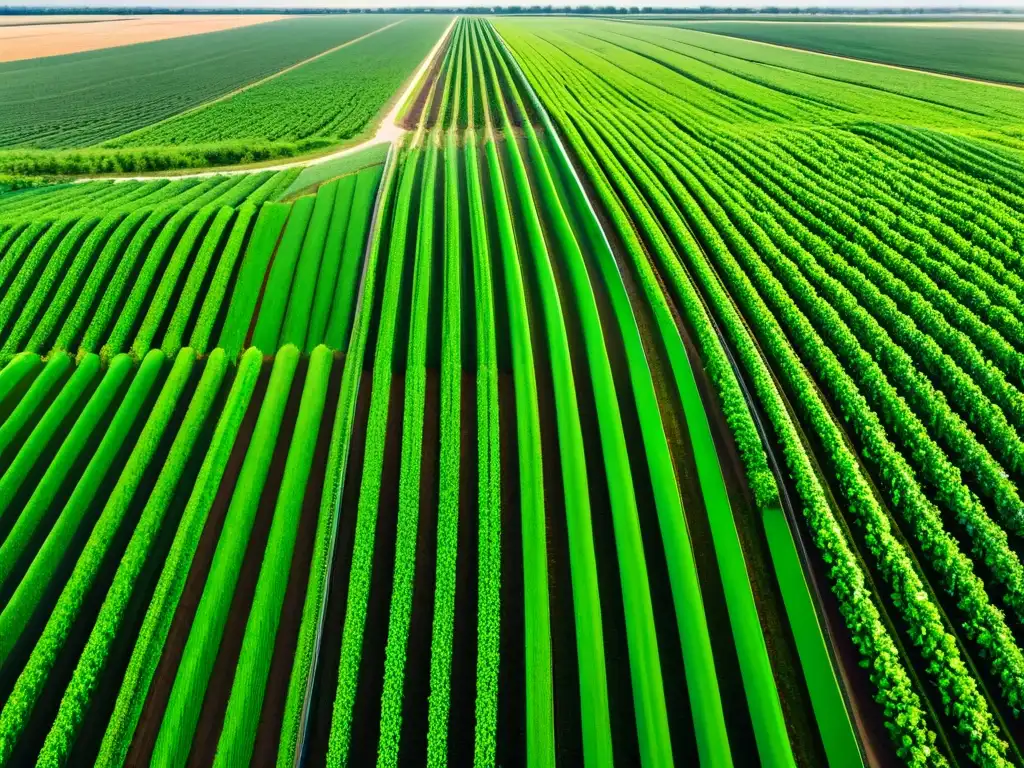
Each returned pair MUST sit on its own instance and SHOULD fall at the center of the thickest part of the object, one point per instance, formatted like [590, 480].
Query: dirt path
[388, 131]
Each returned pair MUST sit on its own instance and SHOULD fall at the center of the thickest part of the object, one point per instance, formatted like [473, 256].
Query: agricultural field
[33, 37]
[854, 252]
[330, 99]
[636, 396]
[274, 89]
[985, 50]
[162, 477]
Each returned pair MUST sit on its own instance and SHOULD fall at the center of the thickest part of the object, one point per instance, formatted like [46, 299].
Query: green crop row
[633, 180]
[344, 295]
[407, 525]
[450, 424]
[252, 271]
[59, 306]
[78, 696]
[242, 717]
[157, 622]
[274, 304]
[299, 289]
[189, 292]
[296, 710]
[218, 287]
[39, 438]
[373, 460]
[28, 297]
[193, 674]
[171, 262]
[30, 682]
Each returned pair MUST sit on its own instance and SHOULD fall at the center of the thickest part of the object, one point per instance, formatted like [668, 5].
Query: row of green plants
[678, 182]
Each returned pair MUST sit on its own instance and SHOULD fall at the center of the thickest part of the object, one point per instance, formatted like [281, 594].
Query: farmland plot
[509, 408]
[155, 468]
[859, 277]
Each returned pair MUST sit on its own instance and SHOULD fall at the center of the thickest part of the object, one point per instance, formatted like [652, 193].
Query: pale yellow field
[73, 18]
[32, 41]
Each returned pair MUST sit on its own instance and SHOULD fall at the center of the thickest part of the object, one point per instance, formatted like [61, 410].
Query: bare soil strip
[30, 41]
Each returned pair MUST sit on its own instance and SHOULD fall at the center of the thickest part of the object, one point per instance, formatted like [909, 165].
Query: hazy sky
[392, 3]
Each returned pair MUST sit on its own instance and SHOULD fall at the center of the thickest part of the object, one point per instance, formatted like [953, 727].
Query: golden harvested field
[33, 41]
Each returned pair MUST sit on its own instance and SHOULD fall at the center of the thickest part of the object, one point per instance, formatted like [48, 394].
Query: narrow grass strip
[183, 707]
[157, 623]
[242, 718]
[17, 711]
[78, 696]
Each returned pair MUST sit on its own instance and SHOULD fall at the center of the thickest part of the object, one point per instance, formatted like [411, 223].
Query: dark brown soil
[211, 717]
[326, 675]
[415, 113]
[160, 689]
[268, 734]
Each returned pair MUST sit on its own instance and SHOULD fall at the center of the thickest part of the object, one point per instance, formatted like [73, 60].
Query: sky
[874, 4]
